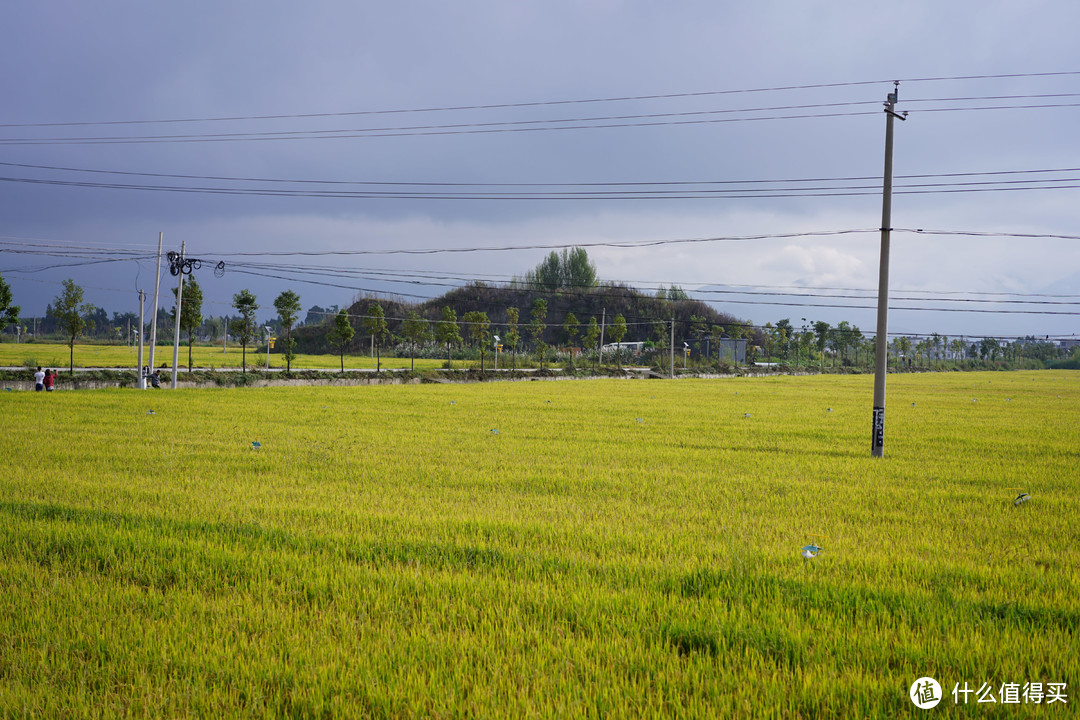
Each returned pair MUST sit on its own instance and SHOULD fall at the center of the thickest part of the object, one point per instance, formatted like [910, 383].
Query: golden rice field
[56, 355]
[540, 549]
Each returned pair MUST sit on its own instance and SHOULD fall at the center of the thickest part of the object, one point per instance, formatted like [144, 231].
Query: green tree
[787, 335]
[447, 332]
[341, 334]
[375, 324]
[9, 313]
[513, 334]
[214, 327]
[841, 338]
[243, 327]
[617, 332]
[905, 349]
[805, 343]
[190, 312]
[69, 310]
[717, 334]
[989, 348]
[415, 330]
[536, 327]
[699, 328]
[288, 308]
[821, 333]
[478, 328]
[578, 271]
[571, 270]
[592, 335]
[922, 349]
[780, 341]
[958, 347]
[570, 327]
[671, 294]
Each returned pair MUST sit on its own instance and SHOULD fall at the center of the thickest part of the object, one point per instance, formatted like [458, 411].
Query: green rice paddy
[539, 549]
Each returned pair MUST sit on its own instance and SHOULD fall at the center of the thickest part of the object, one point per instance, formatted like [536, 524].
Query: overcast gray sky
[493, 92]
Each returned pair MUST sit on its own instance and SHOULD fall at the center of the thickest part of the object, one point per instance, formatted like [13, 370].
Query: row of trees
[816, 342]
[416, 331]
[845, 344]
[73, 316]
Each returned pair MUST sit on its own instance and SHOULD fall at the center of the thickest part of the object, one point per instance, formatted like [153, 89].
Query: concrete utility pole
[153, 312]
[139, 369]
[176, 325]
[603, 319]
[672, 347]
[877, 444]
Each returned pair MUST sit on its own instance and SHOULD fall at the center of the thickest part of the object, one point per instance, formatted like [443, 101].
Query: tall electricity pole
[600, 356]
[877, 444]
[139, 369]
[153, 313]
[176, 325]
[672, 347]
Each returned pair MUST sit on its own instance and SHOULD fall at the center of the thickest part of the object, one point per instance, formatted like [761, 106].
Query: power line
[422, 277]
[410, 131]
[593, 195]
[517, 126]
[542, 103]
[539, 184]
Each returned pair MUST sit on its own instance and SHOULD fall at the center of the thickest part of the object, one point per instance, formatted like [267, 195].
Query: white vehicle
[633, 347]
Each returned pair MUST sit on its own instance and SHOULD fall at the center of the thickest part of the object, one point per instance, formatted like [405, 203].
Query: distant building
[731, 351]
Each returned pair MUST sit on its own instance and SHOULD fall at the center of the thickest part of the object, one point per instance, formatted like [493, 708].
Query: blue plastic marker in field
[151, 412]
[811, 551]
[1021, 498]
[746, 414]
[640, 420]
[255, 444]
[494, 431]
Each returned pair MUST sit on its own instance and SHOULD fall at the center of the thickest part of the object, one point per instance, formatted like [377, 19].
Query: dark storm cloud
[120, 61]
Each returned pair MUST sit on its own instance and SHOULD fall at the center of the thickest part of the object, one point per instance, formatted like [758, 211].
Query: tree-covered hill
[646, 316]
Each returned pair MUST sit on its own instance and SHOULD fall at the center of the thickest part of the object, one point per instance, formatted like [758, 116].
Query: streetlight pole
[267, 329]
[877, 444]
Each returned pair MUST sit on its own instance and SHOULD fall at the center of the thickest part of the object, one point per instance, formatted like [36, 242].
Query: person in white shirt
[39, 380]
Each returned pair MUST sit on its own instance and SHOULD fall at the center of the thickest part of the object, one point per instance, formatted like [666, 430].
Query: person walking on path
[50, 380]
[39, 380]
